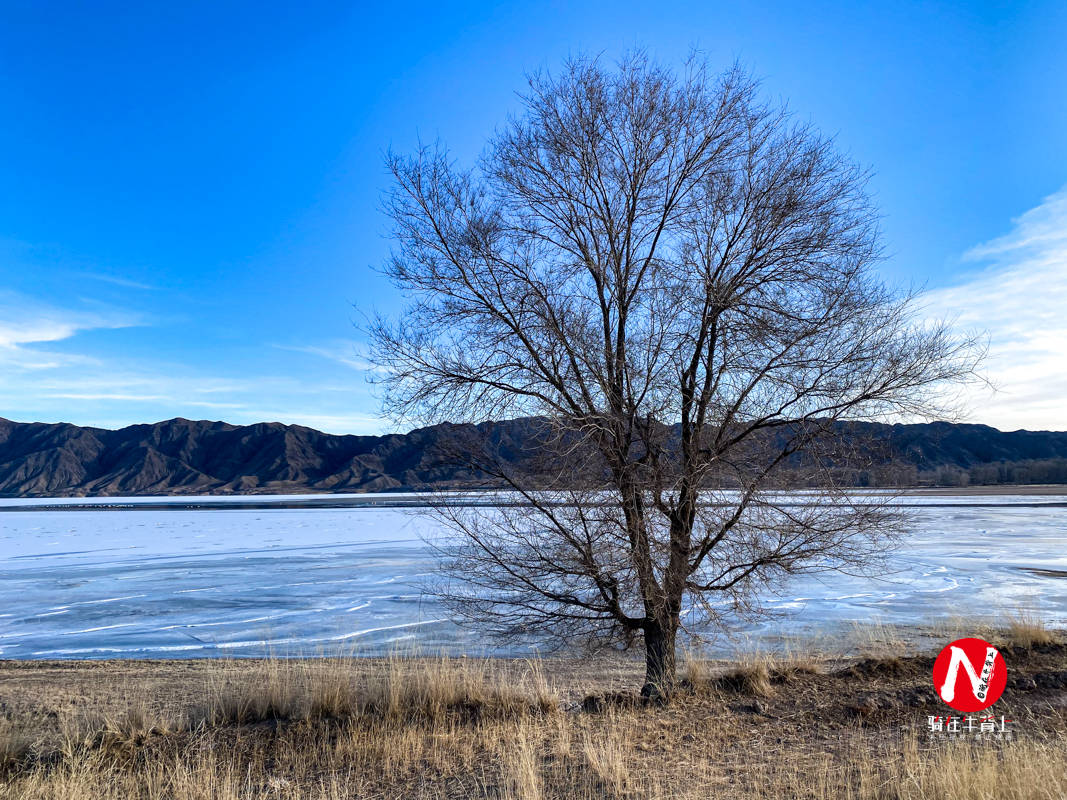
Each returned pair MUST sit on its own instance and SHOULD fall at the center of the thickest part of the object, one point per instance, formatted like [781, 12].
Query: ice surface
[227, 581]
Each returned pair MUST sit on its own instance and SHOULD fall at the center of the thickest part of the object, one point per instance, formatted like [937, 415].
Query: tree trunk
[659, 661]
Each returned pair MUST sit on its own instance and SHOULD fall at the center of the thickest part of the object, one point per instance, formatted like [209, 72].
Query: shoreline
[569, 673]
[848, 641]
[1027, 489]
[802, 725]
[391, 500]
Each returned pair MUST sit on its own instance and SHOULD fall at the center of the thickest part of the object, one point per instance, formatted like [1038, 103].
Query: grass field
[806, 725]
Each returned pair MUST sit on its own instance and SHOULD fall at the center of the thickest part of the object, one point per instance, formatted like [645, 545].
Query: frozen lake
[227, 579]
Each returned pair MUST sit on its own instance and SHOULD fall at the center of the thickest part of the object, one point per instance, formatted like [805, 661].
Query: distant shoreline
[318, 500]
[1058, 489]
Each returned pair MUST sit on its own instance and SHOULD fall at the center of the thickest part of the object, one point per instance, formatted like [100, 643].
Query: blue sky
[189, 192]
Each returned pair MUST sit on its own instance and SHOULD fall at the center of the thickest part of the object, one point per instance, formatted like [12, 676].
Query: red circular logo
[970, 675]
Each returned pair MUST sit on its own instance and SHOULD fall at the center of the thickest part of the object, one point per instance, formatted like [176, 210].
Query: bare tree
[676, 279]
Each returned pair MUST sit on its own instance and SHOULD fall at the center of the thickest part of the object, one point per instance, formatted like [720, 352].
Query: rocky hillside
[182, 456]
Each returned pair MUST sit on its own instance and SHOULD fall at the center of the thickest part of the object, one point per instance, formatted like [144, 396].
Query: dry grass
[1026, 629]
[958, 626]
[404, 688]
[431, 689]
[14, 746]
[1026, 771]
[754, 673]
[273, 689]
[456, 728]
[609, 755]
[877, 639]
[751, 677]
[522, 768]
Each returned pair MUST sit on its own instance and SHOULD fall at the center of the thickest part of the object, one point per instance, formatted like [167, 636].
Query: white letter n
[979, 684]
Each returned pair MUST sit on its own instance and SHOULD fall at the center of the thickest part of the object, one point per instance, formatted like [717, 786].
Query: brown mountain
[183, 456]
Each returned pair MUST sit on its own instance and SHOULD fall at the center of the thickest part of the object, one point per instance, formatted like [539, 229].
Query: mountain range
[181, 456]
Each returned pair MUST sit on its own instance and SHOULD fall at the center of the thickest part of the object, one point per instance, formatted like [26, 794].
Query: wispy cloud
[138, 398]
[1020, 299]
[344, 351]
[113, 393]
[1040, 229]
[24, 321]
[28, 327]
[48, 373]
[116, 280]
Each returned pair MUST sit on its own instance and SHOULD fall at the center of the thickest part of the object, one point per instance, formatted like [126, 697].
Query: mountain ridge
[182, 456]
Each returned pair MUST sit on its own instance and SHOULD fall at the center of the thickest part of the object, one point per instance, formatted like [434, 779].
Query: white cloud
[26, 322]
[27, 327]
[344, 351]
[43, 381]
[139, 398]
[115, 394]
[1020, 299]
[1039, 229]
[125, 283]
